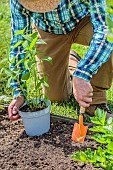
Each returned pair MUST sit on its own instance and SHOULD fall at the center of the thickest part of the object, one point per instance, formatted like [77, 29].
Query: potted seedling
[35, 112]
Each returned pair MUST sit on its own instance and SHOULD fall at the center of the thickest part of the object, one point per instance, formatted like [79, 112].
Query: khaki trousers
[58, 47]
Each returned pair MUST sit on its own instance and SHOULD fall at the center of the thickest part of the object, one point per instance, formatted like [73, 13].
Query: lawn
[67, 108]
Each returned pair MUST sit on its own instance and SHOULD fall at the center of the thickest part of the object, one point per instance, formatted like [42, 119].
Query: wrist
[20, 97]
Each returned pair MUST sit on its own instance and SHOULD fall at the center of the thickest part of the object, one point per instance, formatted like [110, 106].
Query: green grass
[68, 108]
[4, 41]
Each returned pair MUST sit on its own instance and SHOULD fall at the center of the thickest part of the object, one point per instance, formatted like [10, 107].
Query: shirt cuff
[17, 93]
[84, 74]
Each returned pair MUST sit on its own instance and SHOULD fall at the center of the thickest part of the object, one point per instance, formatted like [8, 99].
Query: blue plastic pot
[37, 123]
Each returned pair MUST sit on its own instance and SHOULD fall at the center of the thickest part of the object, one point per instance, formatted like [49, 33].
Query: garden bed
[51, 151]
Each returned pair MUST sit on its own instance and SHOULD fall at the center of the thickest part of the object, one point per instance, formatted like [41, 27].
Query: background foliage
[109, 18]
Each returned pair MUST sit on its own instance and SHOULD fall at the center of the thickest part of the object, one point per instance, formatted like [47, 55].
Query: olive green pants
[58, 47]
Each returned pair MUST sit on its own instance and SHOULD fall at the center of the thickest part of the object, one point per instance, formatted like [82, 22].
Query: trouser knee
[57, 95]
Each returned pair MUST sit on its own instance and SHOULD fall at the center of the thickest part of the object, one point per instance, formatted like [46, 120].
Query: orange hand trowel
[79, 130]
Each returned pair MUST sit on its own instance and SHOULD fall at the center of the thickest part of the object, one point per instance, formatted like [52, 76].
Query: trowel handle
[82, 110]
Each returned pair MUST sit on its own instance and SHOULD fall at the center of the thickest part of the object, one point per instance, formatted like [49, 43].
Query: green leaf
[110, 156]
[1, 107]
[110, 146]
[109, 3]
[32, 44]
[20, 61]
[8, 71]
[112, 30]
[109, 121]
[109, 10]
[38, 84]
[45, 84]
[101, 138]
[16, 71]
[20, 32]
[12, 60]
[41, 42]
[34, 52]
[34, 35]
[76, 156]
[108, 128]
[25, 45]
[28, 37]
[8, 82]
[87, 156]
[110, 37]
[109, 136]
[98, 129]
[26, 76]
[49, 59]
[2, 69]
[83, 157]
[95, 120]
[3, 61]
[109, 167]
[27, 55]
[109, 22]
[17, 44]
[100, 117]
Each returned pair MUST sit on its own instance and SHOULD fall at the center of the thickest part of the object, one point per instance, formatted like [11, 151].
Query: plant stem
[35, 77]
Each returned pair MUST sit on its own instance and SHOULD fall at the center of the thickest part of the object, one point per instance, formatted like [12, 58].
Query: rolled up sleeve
[100, 49]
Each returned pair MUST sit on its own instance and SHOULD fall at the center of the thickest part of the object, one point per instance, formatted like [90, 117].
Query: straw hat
[39, 5]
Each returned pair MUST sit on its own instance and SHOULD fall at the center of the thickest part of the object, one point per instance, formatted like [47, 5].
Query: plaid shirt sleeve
[100, 49]
[19, 20]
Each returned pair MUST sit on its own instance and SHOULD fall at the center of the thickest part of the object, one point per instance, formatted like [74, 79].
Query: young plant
[30, 81]
[102, 156]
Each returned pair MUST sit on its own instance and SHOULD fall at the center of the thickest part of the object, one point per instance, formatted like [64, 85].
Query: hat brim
[39, 5]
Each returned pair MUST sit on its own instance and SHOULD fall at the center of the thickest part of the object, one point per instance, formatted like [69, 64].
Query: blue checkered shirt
[62, 20]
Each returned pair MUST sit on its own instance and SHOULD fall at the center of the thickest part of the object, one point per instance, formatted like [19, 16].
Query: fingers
[84, 104]
[15, 117]
[13, 111]
[87, 99]
[10, 108]
[84, 101]
[90, 94]
[13, 108]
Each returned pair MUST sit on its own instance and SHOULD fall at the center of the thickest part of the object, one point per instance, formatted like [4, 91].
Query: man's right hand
[82, 91]
[14, 106]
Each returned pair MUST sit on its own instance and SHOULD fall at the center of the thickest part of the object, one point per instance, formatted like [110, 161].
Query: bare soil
[51, 151]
